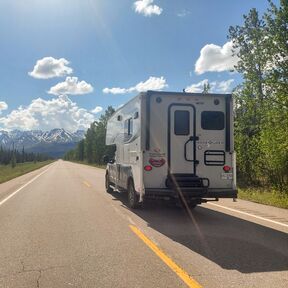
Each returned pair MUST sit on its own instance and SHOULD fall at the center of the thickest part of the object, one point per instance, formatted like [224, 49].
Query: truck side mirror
[106, 159]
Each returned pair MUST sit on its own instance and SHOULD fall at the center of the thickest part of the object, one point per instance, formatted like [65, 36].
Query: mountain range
[55, 142]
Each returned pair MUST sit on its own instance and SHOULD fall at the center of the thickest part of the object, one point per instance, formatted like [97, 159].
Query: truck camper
[173, 146]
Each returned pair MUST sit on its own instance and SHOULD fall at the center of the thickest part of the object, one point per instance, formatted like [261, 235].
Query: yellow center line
[167, 260]
[86, 184]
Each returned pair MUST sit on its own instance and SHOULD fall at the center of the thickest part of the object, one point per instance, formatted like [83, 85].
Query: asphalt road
[63, 230]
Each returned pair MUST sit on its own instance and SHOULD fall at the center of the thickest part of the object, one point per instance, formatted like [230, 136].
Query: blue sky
[108, 44]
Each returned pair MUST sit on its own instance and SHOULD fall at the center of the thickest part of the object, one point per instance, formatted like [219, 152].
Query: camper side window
[212, 120]
[128, 129]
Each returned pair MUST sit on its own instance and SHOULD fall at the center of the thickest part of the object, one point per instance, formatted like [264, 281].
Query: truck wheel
[107, 184]
[133, 198]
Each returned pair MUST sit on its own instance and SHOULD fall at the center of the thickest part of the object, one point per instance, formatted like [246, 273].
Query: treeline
[8, 156]
[261, 101]
[93, 148]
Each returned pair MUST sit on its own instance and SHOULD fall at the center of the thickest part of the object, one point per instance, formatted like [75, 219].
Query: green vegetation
[7, 172]
[261, 101]
[92, 149]
[264, 196]
[13, 157]
[14, 163]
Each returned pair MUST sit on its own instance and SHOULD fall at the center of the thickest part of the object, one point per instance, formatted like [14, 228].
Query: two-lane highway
[59, 228]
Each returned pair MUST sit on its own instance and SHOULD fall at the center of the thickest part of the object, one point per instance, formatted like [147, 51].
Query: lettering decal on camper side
[157, 162]
[155, 155]
[157, 158]
[209, 142]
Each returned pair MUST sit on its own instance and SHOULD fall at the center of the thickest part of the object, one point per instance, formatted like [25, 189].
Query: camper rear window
[181, 122]
[212, 120]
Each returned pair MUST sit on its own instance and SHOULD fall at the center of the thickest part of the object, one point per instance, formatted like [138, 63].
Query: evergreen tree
[93, 148]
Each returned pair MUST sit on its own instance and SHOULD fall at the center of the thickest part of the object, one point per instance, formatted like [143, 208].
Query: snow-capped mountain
[55, 142]
[62, 136]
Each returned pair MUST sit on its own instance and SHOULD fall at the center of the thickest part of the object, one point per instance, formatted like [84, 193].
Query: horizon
[39, 130]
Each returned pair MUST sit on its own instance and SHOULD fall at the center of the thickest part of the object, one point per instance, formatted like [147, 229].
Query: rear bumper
[190, 193]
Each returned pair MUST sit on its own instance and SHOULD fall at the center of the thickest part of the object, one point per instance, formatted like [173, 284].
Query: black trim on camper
[228, 122]
[210, 155]
[190, 193]
[148, 96]
[191, 139]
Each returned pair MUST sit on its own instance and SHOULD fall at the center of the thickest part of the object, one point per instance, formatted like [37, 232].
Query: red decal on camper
[157, 162]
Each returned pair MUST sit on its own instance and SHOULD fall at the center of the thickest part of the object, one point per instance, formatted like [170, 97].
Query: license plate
[227, 176]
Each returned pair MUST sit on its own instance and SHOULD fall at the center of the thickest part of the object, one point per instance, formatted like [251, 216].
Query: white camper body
[173, 146]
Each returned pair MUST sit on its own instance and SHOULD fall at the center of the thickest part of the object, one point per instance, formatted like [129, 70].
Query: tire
[133, 197]
[107, 184]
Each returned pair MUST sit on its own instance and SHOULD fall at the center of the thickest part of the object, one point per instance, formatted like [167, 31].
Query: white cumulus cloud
[97, 109]
[214, 58]
[115, 90]
[225, 86]
[196, 87]
[146, 8]
[153, 83]
[215, 86]
[3, 106]
[71, 86]
[49, 67]
[43, 114]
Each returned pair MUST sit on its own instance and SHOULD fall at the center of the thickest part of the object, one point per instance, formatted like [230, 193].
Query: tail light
[227, 168]
[148, 168]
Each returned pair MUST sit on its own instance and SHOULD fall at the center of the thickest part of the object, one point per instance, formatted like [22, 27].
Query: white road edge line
[19, 189]
[248, 214]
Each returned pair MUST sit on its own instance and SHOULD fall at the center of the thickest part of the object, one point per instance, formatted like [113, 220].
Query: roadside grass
[7, 172]
[267, 196]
